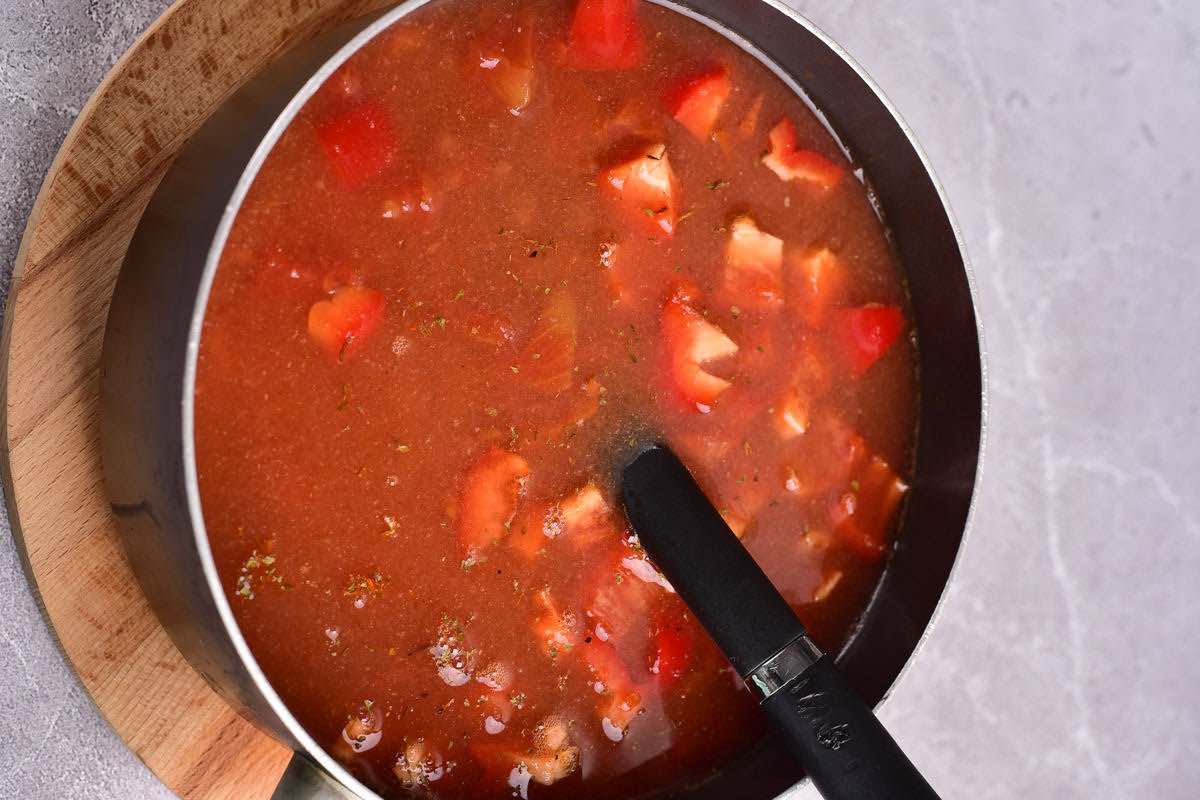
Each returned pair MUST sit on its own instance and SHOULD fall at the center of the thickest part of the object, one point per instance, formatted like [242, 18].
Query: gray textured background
[1065, 661]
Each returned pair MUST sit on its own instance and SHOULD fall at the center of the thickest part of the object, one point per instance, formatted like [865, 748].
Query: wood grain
[168, 83]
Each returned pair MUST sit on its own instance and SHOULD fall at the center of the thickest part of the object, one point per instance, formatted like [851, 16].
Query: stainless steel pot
[151, 344]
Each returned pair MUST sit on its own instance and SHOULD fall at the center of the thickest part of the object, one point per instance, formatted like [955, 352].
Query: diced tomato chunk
[489, 498]
[753, 264]
[584, 517]
[548, 357]
[793, 413]
[692, 341]
[620, 697]
[605, 34]
[340, 324]
[504, 54]
[793, 164]
[359, 143]
[618, 606]
[861, 516]
[670, 649]
[866, 333]
[587, 517]
[696, 102]
[645, 188]
[816, 284]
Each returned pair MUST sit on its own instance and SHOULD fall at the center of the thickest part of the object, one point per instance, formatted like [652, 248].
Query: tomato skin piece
[691, 342]
[504, 54]
[816, 284]
[620, 697]
[696, 102]
[866, 333]
[790, 163]
[645, 188]
[605, 35]
[588, 518]
[489, 497]
[753, 265]
[359, 143]
[616, 609]
[547, 360]
[861, 515]
[340, 324]
[793, 414]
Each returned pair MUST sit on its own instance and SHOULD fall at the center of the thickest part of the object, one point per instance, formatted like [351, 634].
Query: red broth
[500, 247]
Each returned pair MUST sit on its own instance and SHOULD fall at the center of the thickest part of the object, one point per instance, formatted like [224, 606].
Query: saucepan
[152, 341]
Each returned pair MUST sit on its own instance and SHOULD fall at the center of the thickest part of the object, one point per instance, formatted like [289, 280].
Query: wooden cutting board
[168, 83]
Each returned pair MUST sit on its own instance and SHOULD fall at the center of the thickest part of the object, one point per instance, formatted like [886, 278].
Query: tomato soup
[500, 248]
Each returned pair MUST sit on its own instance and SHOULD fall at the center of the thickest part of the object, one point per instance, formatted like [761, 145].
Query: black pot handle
[844, 748]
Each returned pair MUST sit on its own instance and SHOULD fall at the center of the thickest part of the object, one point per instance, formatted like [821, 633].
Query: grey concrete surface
[1065, 661]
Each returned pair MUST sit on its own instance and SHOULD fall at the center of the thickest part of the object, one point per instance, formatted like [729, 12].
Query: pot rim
[233, 206]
